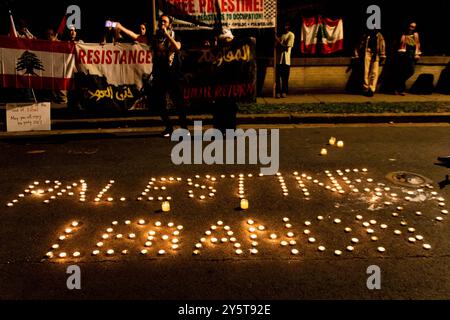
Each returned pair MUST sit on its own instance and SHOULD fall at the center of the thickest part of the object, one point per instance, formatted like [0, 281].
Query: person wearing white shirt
[284, 47]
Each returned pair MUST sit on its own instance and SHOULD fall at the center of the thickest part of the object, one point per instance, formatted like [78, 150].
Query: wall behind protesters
[431, 16]
[331, 75]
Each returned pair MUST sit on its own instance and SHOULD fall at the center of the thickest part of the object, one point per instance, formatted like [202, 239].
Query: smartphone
[108, 24]
[114, 24]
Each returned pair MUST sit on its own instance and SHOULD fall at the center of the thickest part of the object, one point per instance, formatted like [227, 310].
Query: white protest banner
[27, 117]
[119, 64]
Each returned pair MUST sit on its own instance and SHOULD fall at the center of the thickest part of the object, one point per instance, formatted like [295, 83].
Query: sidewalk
[295, 109]
[352, 98]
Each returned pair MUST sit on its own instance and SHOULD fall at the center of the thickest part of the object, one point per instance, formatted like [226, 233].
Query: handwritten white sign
[27, 117]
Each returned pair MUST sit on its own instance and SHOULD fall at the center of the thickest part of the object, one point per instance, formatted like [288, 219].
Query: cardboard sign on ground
[27, 117]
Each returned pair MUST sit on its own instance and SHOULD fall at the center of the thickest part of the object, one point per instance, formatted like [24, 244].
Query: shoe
[278, 96]
[445, 159]
[167, 132]
[369, 94]
[283, 95]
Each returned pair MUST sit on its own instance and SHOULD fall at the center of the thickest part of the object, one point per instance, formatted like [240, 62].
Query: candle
[340, 144]
[323, 152]
[165, 206]
[244, 204]
[332, 141]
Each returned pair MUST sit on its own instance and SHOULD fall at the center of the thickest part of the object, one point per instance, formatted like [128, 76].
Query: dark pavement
[408, 271]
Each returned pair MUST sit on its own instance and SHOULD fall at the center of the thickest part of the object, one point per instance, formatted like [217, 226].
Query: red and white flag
[321, 35]
[37, 64]
[308, 40]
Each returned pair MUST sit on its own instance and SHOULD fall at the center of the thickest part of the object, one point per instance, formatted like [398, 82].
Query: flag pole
[154, 17]
[274, 85]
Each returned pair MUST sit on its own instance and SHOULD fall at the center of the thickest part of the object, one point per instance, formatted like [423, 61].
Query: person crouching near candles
[371, 51]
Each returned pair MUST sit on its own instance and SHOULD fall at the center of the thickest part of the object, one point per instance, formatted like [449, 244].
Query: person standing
[141, 37]
[407, 56]
[167, 75]
[284, 47]
[372, 52]
[74, 36]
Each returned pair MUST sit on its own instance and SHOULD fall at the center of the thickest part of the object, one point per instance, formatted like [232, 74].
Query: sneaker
[283, 95]
[278, 96]
[167, 132]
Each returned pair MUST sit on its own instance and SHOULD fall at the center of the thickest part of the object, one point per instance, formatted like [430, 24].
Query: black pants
[282, 75]
[169, 83]
[405, 68]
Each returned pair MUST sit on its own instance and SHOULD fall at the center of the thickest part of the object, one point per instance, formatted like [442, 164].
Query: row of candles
[253, 229]
[149, 187]
[151, 237]
[336, 187]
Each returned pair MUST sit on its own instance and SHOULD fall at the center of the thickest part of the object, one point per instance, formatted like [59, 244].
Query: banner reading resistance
[119, 77]
[112, 76]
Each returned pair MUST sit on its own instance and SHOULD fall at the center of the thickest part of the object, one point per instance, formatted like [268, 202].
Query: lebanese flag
[308, 40]
[321, 35]
[37, 64]
[332, 36]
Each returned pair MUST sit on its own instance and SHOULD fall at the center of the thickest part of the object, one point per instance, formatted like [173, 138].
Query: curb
[154, 124]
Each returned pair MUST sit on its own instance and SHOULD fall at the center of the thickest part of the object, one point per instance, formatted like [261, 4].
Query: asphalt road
[408, 270]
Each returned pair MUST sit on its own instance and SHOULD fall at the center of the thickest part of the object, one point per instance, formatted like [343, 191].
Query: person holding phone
[111, 34]
[141, 37]
[167, 75]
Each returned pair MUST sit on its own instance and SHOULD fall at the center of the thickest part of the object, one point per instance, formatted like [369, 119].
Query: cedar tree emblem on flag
[29, 62]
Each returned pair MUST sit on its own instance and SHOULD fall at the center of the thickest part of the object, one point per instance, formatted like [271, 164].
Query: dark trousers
[169, 83]
[282, 75]
[405, 68]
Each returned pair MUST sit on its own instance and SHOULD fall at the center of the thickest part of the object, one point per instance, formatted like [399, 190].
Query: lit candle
[244, 204]
[323, 152]
[340, 144]
[332, 141]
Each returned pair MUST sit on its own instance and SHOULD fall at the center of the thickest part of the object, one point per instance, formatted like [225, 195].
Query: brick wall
[330, 75]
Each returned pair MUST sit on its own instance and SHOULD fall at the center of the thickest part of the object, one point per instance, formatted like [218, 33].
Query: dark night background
[431, 17]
